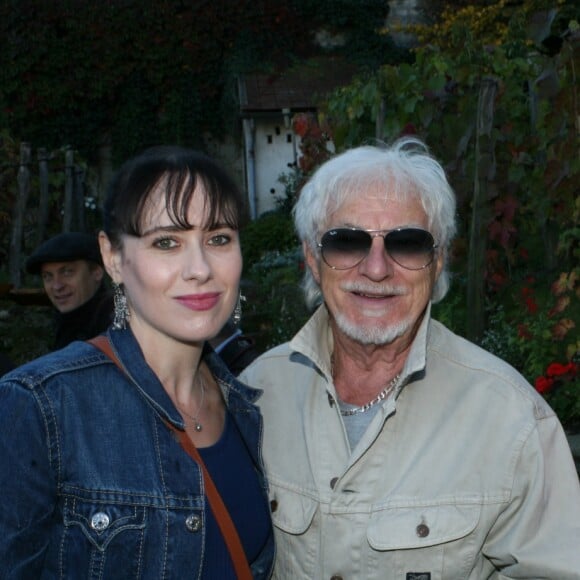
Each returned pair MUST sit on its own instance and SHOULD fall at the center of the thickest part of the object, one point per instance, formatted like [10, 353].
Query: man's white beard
[372, 334]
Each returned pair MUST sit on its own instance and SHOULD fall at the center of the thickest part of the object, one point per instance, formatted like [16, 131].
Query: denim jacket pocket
[101, 523]
[99, 534]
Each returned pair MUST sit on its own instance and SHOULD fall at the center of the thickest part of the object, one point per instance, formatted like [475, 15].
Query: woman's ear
[111, 258]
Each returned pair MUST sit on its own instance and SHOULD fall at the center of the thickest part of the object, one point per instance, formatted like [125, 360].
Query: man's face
[377, 301]
[70, 284]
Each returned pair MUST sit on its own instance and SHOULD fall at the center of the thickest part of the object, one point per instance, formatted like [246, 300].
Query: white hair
[404, 169]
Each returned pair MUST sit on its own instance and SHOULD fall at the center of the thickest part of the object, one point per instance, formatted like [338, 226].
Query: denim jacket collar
[129, 353]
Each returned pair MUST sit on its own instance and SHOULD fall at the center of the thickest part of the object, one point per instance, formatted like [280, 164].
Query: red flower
[301, 124]
[557, 369]
[543, 384]
[531, 305]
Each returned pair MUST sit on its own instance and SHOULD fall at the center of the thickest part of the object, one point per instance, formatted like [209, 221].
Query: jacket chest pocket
[102, 523]
[99, 536]
[434, 541]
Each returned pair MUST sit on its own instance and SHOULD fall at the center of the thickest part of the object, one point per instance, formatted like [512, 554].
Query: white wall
[275, 147]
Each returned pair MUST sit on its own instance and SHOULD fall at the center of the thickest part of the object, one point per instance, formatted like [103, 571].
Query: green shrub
[272, 231]
[274, 310]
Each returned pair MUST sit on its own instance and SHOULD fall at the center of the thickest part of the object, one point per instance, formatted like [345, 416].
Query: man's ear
[311, 261]
[439, 264]
[98, 273]
[111, 258]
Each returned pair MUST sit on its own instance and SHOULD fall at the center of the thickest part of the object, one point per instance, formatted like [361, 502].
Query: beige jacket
[467, 475]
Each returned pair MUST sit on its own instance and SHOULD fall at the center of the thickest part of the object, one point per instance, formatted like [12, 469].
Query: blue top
[94, 484]
[231, 469]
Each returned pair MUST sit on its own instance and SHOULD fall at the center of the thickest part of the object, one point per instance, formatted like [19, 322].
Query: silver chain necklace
[195, 418]
[380, 397]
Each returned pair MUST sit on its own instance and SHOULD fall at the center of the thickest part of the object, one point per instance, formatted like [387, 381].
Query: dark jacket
[5, 364]
[86, 321]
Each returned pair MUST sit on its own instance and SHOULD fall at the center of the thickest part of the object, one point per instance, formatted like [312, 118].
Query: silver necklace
[380, 397]
[195, 418]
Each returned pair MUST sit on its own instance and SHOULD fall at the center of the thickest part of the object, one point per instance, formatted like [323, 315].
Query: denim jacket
[93, 483]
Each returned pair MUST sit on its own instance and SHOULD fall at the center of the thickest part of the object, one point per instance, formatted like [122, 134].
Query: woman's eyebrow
[168, 228]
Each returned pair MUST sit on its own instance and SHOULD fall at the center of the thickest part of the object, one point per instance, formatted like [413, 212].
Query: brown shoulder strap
[102, 343]
[219, 509]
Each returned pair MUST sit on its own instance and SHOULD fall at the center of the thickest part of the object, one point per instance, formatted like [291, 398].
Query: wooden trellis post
[43, 204]
[484, 173]
[18, 215]
[79, 198]
[69, 179]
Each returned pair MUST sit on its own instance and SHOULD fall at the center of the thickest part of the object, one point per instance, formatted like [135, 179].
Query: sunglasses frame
[376, 234]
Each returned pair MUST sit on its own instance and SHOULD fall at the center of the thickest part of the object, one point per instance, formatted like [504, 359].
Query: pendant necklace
[195, 418]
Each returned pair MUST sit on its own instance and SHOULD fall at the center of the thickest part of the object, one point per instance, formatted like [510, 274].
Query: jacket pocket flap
[421, 526]
[100, 523]
[292, 512]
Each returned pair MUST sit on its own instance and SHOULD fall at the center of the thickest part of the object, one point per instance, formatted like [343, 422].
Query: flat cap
[66, 247]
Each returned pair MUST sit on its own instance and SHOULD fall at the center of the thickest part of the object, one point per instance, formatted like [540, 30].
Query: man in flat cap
[73, 276]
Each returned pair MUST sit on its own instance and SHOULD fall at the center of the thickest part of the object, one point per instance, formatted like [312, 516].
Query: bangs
[168, 177]
[178, 190]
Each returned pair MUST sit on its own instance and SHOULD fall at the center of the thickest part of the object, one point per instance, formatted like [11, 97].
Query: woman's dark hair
[178, 171]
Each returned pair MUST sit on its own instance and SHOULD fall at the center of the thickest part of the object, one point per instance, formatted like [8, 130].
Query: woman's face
[181, 285]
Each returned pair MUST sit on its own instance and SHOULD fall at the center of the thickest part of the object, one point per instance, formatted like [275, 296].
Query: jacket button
[330, 400]
[333, 482]
[100, 521]
[335, 577]
[423, 530]
[273, 505]
[193, 523]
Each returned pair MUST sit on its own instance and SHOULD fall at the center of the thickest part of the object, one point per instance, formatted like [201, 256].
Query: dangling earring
[121, 309]
[237, 314]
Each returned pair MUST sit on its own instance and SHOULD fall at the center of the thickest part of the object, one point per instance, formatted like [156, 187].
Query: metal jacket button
[423, 530]
[100, 521]
[333, 482]
[193, 523]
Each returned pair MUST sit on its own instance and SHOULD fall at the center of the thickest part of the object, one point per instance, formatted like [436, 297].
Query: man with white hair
[395, 449]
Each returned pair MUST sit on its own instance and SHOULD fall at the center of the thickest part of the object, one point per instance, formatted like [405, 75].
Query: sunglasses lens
[344, 248]
[411, 248]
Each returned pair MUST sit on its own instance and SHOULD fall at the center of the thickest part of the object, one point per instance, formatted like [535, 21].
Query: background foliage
[134, 73]
[532, 260]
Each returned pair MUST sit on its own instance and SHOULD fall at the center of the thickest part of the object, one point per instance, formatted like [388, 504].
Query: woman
[94, 479]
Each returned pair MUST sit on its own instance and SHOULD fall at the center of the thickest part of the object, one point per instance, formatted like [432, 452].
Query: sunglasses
[344, 248]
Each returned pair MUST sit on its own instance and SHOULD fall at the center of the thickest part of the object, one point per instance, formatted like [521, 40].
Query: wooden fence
[33, 202]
